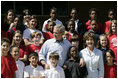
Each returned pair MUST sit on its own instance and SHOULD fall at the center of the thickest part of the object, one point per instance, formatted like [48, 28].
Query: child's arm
[11, 25]
[64, 67]
[46, 66]
[41, 41]
[27, 42]
[41, 76]
[37, 76]
[24, 59]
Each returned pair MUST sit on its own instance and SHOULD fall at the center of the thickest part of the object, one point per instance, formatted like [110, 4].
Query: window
[62, 7]
[33, 6]
[5, 6]
[36, 7]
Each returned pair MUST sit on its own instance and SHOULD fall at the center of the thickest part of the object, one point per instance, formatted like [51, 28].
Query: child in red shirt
[16, 25]
[111, 16]
[72, 32]
[79, 25]
[110, 69]
[8, 64]
[53, 17]
[9, 18]
[23, 50]
[71, 28]
[93, 13]
[112, 36]
[66, 35]
[5, 35]
[49, 34]
[35, 46]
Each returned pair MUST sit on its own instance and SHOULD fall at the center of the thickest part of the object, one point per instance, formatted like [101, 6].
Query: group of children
[22, 41]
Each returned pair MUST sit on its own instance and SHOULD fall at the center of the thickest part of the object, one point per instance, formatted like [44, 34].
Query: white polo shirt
[57, 72]
[34, 72]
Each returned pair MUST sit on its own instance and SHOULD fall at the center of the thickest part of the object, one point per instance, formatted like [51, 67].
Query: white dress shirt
[57, 22]
[34, 72]
[57, 72]
[52, 45]
[20, 66]
[76, 25]
[94, 62]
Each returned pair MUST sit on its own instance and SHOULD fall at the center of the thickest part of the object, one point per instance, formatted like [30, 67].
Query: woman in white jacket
[92, 57]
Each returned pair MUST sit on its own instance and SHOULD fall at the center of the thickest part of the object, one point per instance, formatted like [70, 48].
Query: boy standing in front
[55, 70]
[33, 70]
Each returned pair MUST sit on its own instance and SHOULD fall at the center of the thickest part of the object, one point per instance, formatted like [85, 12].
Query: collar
[17, 61]
[77, 20]
[52, 67]
[58, 41]
[103, 48]
[95, 32]
[73, 60]
[50, 19]
[93, 52]
[112, 34]
[33, 67]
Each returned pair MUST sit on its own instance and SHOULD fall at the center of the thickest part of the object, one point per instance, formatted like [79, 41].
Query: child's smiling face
[53, 62]
[94, 25]
[103, 41]
[111, 15]
[93, 14]
[109, 58]
[17, 38]
[114, 27]
[33, 23]
[5, 48]
[15, 52]
[73, 52]
[33, 60]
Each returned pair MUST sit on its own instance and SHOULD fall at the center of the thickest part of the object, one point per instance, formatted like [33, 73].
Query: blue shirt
[94, 62]
[52, 45]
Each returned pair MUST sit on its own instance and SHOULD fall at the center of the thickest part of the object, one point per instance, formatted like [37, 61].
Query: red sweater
[75, 34]
[5, 35]
[23, 50]
[8, 67]
[34, 48]
[107, 26]
[110, 71]
[11, 32]
[48, 35]
[88, 27]
[113, 44]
